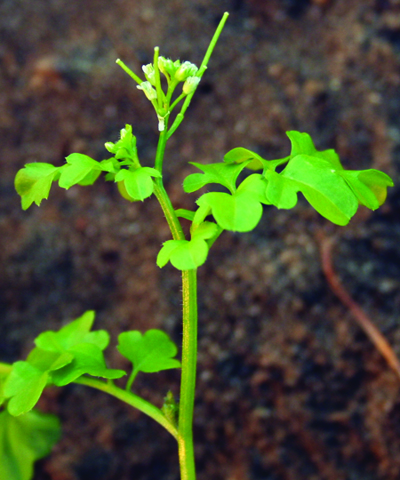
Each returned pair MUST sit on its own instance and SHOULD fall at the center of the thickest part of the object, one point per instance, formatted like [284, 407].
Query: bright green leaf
[221, 173]
[151, 352]
[138, 183]
[88, 359]
[280, 190]
[255, 184]
[204, 231]
[377, 182]
[79, 168]
[74, 333]
[23, 440]
[33, 182]
[183, 254]
[323, 187]
[24, 386]
[240, 212]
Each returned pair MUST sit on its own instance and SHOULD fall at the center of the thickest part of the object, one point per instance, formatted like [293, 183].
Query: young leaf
[33, 182]
[302, 144]
[80, 169]
[24, 386]
[88, 359]
[23, 440]
[138, 184]
[256, 162]
[222, 173]
[151, 352]
[183, 254]
[239, 212]
[369, 186]
[74, 333]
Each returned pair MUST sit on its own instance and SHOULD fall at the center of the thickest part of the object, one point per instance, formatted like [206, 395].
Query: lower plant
[74, 354]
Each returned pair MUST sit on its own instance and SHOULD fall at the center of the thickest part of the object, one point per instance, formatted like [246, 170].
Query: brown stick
[376, 337]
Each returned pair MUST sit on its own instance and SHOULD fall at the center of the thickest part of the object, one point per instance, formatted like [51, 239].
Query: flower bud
[187, 69]
[167, 66]
[148, 90]
[149, 73]
[190, 85]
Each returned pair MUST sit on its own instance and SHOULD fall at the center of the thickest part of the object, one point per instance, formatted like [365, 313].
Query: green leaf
[23, 440]
[302, 144]
[183, 254]
[280, 190]
[204, 231]
[222, 173]
[369, 186]
[240, 212]
[74, 333]
[79, 168]
[138, 183]
[323, 187]
[33, 183]
[125, 148]
[255, 184]
[88, 359]
[151, 352]
[240, 155]
[24, 386]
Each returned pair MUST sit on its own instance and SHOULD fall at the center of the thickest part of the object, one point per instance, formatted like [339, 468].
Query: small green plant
[75, 352]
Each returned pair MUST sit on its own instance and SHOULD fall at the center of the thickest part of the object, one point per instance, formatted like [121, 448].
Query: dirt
[289, 387]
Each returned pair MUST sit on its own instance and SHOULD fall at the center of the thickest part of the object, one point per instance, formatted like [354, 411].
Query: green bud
[190, 85]
[148, 90]
[167, 66]
[186, 70]
[149, 73]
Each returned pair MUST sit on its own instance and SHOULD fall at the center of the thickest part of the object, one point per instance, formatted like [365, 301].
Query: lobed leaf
[239, 212]
[221, 173]
[151, 352]
[23, 440]
[33, 183]
[80, 169]
[24, 386]
[88, 359]
[323, 187]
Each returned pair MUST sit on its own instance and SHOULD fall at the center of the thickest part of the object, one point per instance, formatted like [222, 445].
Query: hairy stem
[188, 378]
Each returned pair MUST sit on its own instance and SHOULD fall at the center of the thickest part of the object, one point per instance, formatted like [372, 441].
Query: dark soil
[289, 388]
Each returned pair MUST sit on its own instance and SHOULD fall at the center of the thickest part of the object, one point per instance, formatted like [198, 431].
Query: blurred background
[289, 387]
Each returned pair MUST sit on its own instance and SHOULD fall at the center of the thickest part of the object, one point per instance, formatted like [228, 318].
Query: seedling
[75, 352]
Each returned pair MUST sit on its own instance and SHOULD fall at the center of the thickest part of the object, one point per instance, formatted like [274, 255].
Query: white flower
[149, 73]
[190, 85]
[148, 90]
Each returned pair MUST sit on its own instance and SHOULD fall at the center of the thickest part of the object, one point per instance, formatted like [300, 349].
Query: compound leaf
[33, 182]
[280, 190]
[23, 440]
[151, 352]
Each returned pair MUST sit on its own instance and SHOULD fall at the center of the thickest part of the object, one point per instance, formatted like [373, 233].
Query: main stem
[188, 378]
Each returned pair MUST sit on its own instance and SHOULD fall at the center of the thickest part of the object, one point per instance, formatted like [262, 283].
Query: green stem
[202, 69]
[188, 378]
[127, 397]
[128, 71]
[131, 399]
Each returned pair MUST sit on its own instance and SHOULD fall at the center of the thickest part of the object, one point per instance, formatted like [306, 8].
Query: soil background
[289, 388]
